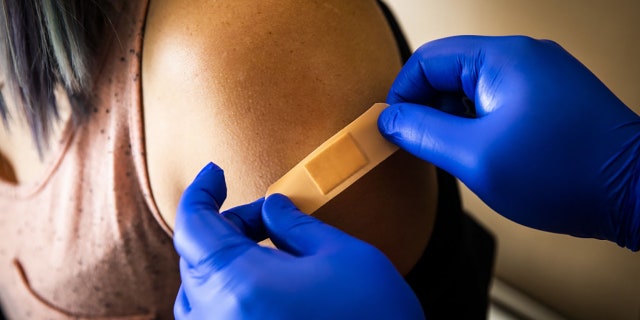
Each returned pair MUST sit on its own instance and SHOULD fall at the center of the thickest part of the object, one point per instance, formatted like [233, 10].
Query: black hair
[45, 44]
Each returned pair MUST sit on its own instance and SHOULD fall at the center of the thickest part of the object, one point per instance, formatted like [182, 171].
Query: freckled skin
[254, 86]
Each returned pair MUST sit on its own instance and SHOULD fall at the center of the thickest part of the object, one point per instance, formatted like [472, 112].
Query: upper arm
[254, 86]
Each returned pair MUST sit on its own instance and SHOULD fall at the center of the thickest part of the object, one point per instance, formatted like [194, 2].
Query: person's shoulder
[220, 76]
[191, 36]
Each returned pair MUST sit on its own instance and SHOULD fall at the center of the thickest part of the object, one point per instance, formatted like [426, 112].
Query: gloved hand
[320, 272]
[549, 145]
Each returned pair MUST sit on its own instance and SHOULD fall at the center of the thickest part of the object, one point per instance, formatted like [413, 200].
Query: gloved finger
[296, 232]
[202, 237]
[207, 192]
[181, 308]
[248, 220]
[411, 84]
[445, 65]
[449, 142]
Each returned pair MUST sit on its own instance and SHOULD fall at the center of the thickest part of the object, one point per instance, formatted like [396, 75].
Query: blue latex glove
[320, 272]
[549, 145]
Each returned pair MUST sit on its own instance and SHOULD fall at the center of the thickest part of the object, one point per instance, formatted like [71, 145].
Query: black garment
[452, 277]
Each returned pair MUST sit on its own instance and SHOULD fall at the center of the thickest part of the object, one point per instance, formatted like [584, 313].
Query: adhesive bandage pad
[337, 163]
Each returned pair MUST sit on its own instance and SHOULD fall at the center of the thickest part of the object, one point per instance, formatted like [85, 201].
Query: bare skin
[254, 86]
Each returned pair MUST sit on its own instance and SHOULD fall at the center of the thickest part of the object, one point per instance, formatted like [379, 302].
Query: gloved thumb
[296, 232]
[201, 234]
[448, 141]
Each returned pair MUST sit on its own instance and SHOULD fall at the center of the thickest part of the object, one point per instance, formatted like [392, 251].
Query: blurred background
[539, 275]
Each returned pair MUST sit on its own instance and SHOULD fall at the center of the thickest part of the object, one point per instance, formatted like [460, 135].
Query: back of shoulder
[187, 38]
[220, 74]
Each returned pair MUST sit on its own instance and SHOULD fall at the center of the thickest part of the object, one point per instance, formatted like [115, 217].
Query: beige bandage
[337, 163]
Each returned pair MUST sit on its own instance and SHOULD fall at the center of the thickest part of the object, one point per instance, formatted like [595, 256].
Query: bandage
[337, 163]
